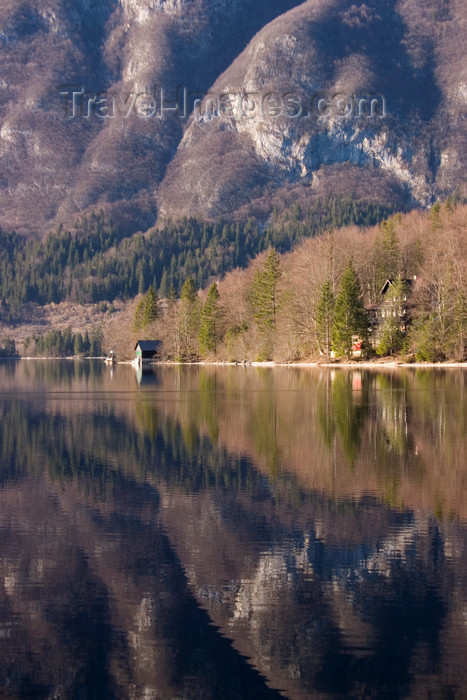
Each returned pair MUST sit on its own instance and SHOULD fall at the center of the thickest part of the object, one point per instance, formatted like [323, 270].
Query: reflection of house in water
[395, 303]
[146, 375]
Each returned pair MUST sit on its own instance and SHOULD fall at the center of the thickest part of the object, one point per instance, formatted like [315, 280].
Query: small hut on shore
[146, 351]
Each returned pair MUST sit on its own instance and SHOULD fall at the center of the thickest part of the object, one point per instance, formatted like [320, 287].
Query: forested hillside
[92, 263]
[317, 300]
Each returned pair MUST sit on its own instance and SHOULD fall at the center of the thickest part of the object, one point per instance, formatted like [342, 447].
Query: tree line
[56, 343]
[8, 348]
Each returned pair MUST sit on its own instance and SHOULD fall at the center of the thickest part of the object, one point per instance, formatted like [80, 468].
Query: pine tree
[325, 317]
[264, 292]
[140, 274]
[86, 344]
[163, 289]
[435, 217]
[209, 327]
[151, 307]
[350, 318]
[171, 295]
[188, 292]
[9, 347]
[187, 321]
[139, 315]
[387, 254]
[78, 344]
[67, 342]
[95, 349]
[264, 298]
[460, 315]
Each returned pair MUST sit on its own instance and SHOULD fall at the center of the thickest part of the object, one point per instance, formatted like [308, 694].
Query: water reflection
[232, 533]
[145, 375]
[343, 408]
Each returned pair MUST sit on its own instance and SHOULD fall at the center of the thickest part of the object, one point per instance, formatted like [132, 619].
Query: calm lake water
[232, 533]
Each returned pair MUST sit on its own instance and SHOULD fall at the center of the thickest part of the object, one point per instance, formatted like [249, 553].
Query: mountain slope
[331, 51]
[51, 166]
[118, 152]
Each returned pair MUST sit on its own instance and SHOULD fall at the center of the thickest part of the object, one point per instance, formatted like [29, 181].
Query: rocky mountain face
[295, 99]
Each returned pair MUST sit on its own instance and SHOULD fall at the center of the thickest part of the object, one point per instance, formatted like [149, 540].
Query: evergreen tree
[425, 340]
[78, 344]
[435, 218]
[9, 347]
[209, 326]
[325, 317]
[164, 287]
[139, 315]
[350, 318]
[67, 345]
[171, 341]
[460, 314]
[187, 325]
[188, 292]
[95, 349]
[86, 344]
[140, 280]
[151, 307]
[264, 292]
[387, 254]
[171, 296]
[264, 298]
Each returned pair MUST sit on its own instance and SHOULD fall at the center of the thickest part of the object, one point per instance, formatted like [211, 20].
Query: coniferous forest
[93, 263]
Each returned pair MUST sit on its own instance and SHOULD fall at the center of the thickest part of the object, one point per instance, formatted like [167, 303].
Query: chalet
[146, 351]
[391, 305]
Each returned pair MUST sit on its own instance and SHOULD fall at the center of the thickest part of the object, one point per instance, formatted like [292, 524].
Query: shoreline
[333, 365]
[368, 364]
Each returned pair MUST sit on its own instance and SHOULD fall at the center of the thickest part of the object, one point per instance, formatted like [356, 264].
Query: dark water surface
[232, 533]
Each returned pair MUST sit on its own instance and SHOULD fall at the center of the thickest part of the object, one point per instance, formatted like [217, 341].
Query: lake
[232, 532]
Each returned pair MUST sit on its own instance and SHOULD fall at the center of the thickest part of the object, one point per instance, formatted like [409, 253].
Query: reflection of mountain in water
[138, 535]
[317, 610]
[118, 620]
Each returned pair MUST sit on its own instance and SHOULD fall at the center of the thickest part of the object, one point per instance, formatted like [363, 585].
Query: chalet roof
[147, 345]
[389, 282]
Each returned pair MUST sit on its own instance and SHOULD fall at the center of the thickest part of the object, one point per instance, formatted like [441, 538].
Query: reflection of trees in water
[95, 448]
[54, 372]
[350, 399]
[441, 399]
[327, 420]
[390, 437]
[393, 401]
[343, 400]
[209, 404]
[265, 432]
[346, 598]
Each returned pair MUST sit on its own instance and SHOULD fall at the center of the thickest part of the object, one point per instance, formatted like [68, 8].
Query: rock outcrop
[301, 78]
